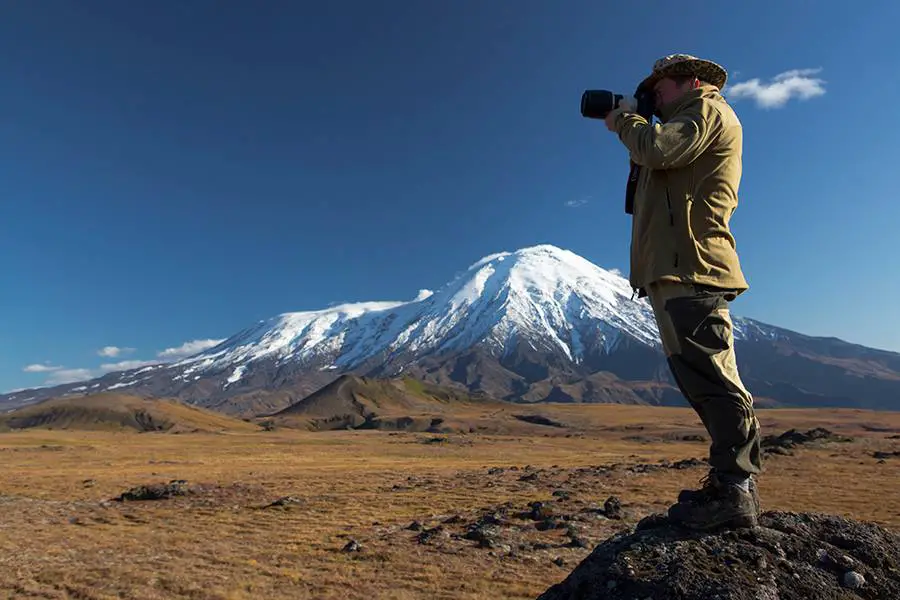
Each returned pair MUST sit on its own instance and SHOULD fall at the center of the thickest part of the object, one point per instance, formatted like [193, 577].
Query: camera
[596, 104]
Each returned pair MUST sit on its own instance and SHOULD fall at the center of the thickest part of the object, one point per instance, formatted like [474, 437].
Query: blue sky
[175, 172]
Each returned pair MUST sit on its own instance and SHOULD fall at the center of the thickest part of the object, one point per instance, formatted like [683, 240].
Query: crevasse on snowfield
[545, 296]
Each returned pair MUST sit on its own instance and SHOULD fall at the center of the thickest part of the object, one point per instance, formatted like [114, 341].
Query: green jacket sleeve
[670, 145]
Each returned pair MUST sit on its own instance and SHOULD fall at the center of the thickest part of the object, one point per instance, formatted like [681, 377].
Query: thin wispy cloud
[577, 202]
[188, 349]
[113, 351]
[41, 368]
[126, 365]
[58, 374]
[797, 83]
[68, 376]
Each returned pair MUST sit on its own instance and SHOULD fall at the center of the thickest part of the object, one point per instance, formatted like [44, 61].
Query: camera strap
[631, 187]
[646, 107]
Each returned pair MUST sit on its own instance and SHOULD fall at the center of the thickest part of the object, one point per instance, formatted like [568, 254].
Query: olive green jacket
[686, 193]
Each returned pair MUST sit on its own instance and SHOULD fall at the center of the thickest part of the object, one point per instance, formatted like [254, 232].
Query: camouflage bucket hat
[685, 64]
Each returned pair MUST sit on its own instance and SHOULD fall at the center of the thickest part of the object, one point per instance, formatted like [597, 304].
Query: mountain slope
[111, 411]
[352, 402]
[538, 324]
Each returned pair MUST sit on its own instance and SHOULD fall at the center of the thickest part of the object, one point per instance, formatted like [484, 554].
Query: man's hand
[625, 105]
[610, 119]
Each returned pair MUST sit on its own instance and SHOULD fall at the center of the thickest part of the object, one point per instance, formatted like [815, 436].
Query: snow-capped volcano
[539, 323]
[549, 298]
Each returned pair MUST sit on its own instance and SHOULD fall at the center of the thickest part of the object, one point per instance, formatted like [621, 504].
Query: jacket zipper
[671, 218]
[669, 206]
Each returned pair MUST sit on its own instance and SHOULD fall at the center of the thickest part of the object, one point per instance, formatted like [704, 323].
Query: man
[684, 259]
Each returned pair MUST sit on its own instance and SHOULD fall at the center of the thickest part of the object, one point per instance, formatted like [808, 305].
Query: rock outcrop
[790, 556]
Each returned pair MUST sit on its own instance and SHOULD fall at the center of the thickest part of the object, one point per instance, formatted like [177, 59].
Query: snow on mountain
[545, 298]
[542, 295]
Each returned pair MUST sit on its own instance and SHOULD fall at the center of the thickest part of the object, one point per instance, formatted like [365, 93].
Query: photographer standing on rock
[683, 258]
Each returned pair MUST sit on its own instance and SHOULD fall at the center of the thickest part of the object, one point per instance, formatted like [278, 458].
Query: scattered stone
[157, 491]
[559, 562]
[692, 437]
[789, 555]
[883, 455]
[486, 535]
[853, 580]
[578, 542]
[836, 558]
[643, 439]
[612, 508]
[89, 483]
[496, 470]
[352, 546]
[414, 526]
[792, 438]
[539, 511]
[427, 535]
[285, 501]
[529, 477]
[547, 524]
[689, 463]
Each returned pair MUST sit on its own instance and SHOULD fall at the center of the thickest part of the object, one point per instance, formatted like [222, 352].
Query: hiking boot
[694, 495]
[717, 504]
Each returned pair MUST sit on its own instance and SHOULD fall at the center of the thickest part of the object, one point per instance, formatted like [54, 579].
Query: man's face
[666, 90]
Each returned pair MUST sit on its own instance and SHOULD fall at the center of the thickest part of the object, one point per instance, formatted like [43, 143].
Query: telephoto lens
[596, 104]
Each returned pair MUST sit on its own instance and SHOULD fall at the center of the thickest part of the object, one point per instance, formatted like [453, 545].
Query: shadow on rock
[789, 556]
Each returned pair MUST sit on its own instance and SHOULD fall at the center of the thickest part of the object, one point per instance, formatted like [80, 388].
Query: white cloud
[125, 365]
[577, 202]
[797, 83]
[39, 368]
[188, 349]
[58, 374]
[113, 351]
[68, 376]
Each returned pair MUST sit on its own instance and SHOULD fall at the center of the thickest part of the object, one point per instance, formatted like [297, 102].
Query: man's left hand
[625, 105]
[610, 118]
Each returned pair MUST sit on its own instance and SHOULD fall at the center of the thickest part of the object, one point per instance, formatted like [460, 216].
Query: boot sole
[736, 522]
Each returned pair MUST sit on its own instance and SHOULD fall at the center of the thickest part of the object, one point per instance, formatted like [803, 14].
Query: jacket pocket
[699, 323]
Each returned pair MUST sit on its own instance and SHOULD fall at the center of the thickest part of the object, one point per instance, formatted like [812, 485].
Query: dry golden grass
[109, 411]
[59, 538]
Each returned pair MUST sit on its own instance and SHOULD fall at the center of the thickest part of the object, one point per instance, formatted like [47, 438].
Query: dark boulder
[790, 556]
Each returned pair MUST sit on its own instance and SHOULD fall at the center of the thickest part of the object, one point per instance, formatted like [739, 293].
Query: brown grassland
[61, 537]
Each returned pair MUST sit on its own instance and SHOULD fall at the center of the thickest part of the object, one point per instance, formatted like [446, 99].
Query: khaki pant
[697, 335]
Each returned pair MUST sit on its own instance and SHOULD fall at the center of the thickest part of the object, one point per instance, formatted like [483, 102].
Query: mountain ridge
[529, 325]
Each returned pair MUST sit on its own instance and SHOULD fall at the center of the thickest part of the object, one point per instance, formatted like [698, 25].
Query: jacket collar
[667, 111]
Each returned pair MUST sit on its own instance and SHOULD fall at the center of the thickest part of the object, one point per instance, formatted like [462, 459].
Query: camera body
[596, 104]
